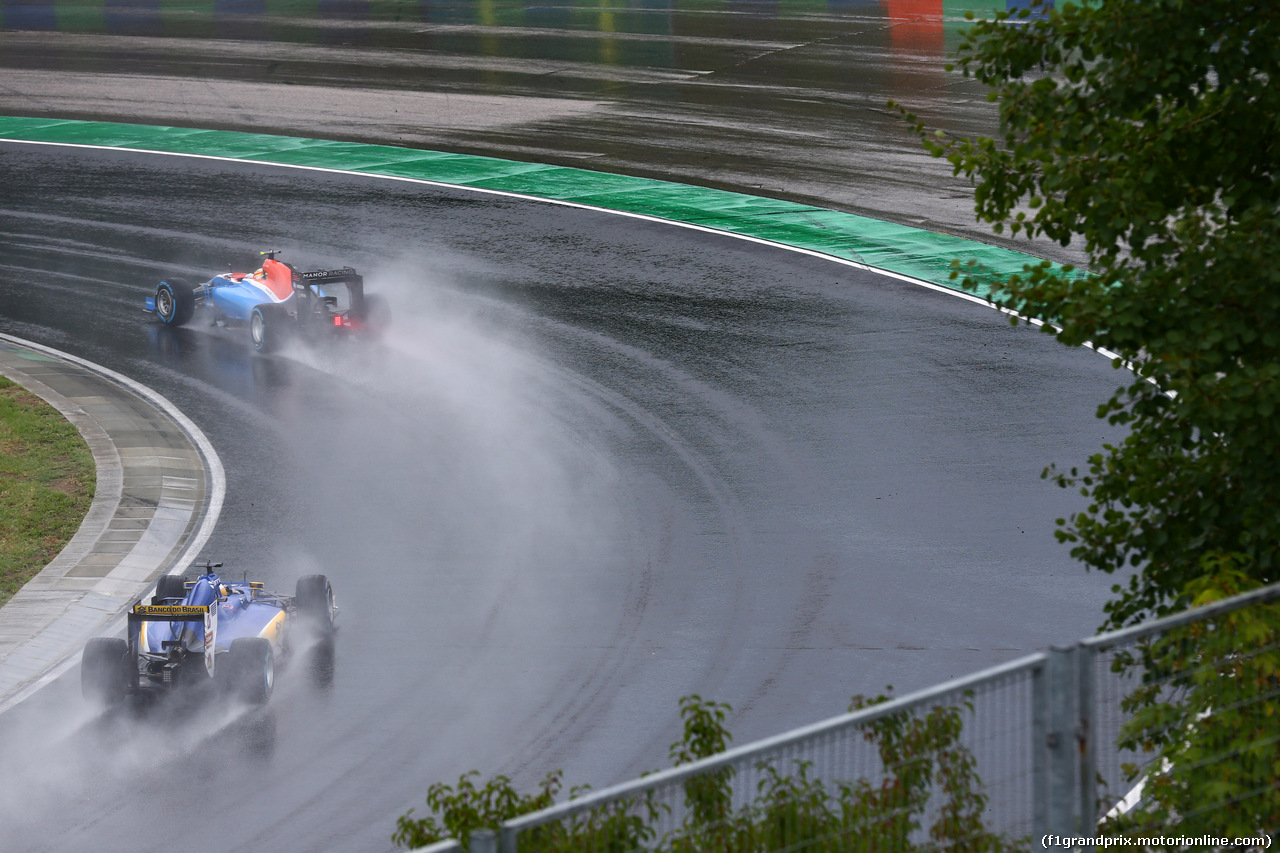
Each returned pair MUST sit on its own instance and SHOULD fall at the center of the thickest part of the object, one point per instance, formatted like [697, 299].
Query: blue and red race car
[274, 302]
[207, 632]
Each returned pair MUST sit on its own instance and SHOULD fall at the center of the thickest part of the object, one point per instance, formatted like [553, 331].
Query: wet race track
[786, 100]
[596, 465]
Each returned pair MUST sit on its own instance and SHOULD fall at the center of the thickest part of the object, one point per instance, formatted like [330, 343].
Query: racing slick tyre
[175, 301]
[170, 586]
[104, 672]
[313, 598]
[268, 325]
[251, 666]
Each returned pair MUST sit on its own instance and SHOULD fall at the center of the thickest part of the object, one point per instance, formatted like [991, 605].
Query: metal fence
[1041, 752]
[1210, 678]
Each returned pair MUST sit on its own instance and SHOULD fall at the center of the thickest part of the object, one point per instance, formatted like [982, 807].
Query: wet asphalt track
[597, 465]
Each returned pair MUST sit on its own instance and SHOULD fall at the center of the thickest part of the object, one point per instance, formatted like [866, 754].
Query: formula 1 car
[274, 302]
[206, 632]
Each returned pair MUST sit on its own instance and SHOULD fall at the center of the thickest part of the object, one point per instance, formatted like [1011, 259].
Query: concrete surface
[158, 495]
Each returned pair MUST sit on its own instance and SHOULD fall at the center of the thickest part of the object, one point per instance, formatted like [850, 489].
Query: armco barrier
[999, 760]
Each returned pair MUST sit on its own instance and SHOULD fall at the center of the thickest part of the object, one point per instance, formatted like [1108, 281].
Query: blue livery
[274, 302]
[206, 632]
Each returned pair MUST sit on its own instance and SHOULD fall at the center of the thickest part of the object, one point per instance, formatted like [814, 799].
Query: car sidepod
[234, 299]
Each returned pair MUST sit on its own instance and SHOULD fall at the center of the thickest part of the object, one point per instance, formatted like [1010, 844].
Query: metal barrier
[817, 762]
[1169, 659]
[1018, 756]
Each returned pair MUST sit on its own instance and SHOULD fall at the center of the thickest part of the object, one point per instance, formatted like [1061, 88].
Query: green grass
[47, 479]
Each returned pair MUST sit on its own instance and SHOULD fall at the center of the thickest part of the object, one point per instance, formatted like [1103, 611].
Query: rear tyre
[313, 600]
[268, 325]
[377, 315]
[104, 673]
[170, 586]
[252, 669]
[175, 301]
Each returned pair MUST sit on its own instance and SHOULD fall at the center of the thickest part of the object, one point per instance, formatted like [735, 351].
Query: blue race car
[274, 302]
[207, 632]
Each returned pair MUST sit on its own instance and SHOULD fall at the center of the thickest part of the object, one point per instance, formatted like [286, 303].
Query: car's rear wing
[206, 613]
[168, 612]
[346, 274]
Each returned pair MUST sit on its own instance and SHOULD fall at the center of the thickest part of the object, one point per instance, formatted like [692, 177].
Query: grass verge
[47, 480]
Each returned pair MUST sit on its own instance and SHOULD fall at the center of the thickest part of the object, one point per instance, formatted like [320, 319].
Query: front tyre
[104, 673]
[267, 327]
[251, 666]
[175, 301]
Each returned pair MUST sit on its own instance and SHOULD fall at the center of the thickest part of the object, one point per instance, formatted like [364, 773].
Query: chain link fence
[1110, 742]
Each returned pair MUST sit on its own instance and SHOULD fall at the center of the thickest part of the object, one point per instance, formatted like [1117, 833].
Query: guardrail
[1031, 753]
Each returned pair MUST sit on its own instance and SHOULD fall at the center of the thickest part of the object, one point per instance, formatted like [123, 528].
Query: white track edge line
[968, 297]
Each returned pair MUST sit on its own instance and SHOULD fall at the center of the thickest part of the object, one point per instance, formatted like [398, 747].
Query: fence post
[1062, 747]
[1086, 663]
[508, 840]
[1039, 733]
[483, 841]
